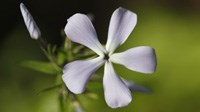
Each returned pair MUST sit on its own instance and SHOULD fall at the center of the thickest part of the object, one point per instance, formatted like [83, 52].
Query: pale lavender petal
[135, 87]
[121, 25]
[140, 59]
[77, 73]
[80, 30]
[32, 27]
[116, 92]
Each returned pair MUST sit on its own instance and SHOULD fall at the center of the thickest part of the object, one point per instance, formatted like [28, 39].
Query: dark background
[51, 15]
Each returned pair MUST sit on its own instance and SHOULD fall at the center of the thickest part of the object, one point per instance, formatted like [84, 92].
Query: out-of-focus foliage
[44, 67]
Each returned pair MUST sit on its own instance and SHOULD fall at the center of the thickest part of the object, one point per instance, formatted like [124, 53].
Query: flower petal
[116, 92]
[140, 59]
[80, 30]
[121, 25]
[135, 87]
[32, 27]
[77, 73]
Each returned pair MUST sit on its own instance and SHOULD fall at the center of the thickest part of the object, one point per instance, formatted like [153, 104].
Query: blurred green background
[172, 27]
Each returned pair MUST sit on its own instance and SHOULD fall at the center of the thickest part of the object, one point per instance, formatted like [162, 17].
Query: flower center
[106, 57]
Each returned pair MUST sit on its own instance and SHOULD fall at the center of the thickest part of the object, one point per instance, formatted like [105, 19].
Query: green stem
[68, 46]
[63, 93]
[52, 60]
[61, 103]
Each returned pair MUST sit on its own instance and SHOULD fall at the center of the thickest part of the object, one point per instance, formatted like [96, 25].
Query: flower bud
[32, 27]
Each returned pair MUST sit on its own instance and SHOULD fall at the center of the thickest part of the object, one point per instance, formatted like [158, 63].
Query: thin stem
[61, 103]
[42, 43]
[63, 93]
[51, 59]
[45, 48]
[68, 46]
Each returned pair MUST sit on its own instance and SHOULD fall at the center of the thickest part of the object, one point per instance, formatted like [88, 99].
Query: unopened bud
[32, 27]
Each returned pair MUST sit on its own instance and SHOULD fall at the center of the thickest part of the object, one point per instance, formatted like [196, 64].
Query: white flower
[32, 27]
[77, 73]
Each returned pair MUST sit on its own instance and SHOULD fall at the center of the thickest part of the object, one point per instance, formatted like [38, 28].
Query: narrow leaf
[44, 67]
[49, 89]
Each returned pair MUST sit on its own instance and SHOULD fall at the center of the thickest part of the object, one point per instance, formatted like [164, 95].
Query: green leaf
[44, 67]
[49, 88]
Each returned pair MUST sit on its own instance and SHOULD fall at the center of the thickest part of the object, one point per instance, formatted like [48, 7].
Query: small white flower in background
[32, 27]
[77, 73]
